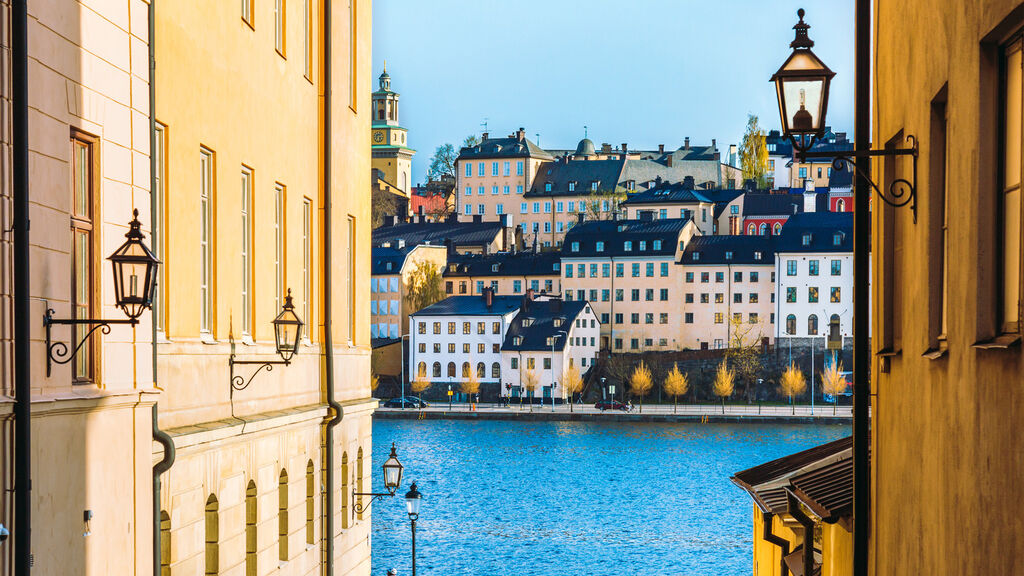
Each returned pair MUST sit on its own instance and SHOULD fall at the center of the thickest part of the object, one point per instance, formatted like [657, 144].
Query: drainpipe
[22, 328]
[779, 541]
[158, 435]
[808, 527]
[328, 342]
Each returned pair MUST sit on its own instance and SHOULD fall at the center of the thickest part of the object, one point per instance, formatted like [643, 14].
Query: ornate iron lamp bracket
[58, 352]
[238, 382]
[359, 507]
[901, 192]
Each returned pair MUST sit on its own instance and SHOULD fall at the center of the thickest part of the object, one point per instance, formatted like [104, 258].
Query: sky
[643, 72]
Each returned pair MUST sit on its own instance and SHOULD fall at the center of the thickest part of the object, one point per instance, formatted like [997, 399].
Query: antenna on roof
[584, 131]
[538, 138]
[484, 124]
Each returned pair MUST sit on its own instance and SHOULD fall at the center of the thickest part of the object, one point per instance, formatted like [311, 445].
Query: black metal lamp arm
[359, 507]
[57, 352]
[238, 382]
[901, 192]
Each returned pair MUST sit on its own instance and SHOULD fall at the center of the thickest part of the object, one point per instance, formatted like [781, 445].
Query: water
[554, 498]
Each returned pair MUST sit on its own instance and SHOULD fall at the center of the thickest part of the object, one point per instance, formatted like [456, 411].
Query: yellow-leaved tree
[471, 385]
[420, 385]
[676, 384]
[424, 286]
[572, 383]
[792, 384]
[725, 379]
[640, 382]
[530, 382]
[833, 383]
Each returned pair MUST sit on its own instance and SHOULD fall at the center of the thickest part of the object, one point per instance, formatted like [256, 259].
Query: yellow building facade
[390, 147]
[263, 194]
[946, 404]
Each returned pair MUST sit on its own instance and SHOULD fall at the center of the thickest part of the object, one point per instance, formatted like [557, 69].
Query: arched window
[165, 544]
[791, 324]
[421, 370]
[380, 113]
[840, 205]
[344, 490]
[451, 369]
[777, 229]
[812, 325]
[212, 535]
[282, 516]
[437, 370]
[359, 479]
[405, 178]
[251, 521]
[496, 371]
[481, 370]
[751, 230]
[465, 369]
[764, 229]
[310, 503]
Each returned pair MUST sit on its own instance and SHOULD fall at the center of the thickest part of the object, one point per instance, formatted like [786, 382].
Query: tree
[676, 384]
[572, 382]
[833, 383]
[374, 381]
[640, 382]
[724, 382]
[442, 163]
[382, 203]
[424, 286]
[792, 384]
[420, 385]
[597, 201]
[754, 153]
[470, 141]
[472, 383]
[744, 353]
[530, 382]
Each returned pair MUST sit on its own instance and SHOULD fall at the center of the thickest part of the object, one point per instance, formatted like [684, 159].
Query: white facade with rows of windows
[812, 287]
[444, 348]
[549, 366]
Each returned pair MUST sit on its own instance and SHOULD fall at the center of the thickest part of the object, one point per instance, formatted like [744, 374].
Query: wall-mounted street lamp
[287, 332]
[802, 85]
[413, 498]
[134, 266]
[392, 480]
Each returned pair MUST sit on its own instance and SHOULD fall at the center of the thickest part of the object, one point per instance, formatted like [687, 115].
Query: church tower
[390, 153]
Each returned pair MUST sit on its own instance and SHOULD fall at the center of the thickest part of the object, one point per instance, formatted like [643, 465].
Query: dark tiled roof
[507, 263]
[381, 257]
[460, 233]
[472, 306]
[614, 234]
[827, 491]
[667, 193]
[583, 172]
[542, 314]
[767, 483]
[743, 249]
[841, 178]
[642, 170]
[509, 147]
[821, 228]
[772, 204]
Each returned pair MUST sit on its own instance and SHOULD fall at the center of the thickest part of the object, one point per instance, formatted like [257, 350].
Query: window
[649, 295]
[812, 294]
[619, 270]
[494, 190]
[519, 189]
[593, 270]
[499, 209]
[636, 270]
[634, 318]
[790, 267]
[480, 209]
[689, 298]
[206, 236]
[469, 173]
[599, 246]
[752, 318]
[437, 348]
[705, 277]
[536, 210]
[531, 363]
[634, 343]
[635, 294]
[481, 348]
[648, 318]
[812, 267]
[719, 319]
[753, 276]
[494, 168]
[834, 295]
[737, 298]
[435, 370]
[251, 520]
[663, 318]
[689, 277]
[1009, 241]
[752, 298]
[82, 240]
[719, 298]
[719, 277]
[649, 269]
[836, 267]
[523, 208]
[450, 370]
[467, 327]
[805, 240]
[547, 210]
[159, 208]
[664, 269]
[606, 270]
[663, 295]
[627, 246]
[704, 298]
[514, 363]
[812, 325]
[247, 12]
[496, 328]
[791, 324]
[618, 318]
[519, 168]
[481, 327]
[517, 285]
[279, 26]
[688, 317]
[307, 263]
[791, 294]
[279, 253]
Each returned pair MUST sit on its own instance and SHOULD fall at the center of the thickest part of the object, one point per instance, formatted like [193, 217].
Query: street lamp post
[553, 338]
[412, 504]
[401, 344]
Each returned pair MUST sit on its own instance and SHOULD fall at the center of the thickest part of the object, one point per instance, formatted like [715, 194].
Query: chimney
[580, 217]
[503, 218]
[484, 136]
[529, 295]
[713, 145]
[661, 148]
[687, 143]
[810, 196]
[488, 297]
[732, 154]
[389, 220]
[688, 183]
[449, 247]
[477, 218]
[521, 134]
[668, 161]
[419, 210]
[624, 150]
[401, 243]
[453, 218]
[646, 215]
[606, 148]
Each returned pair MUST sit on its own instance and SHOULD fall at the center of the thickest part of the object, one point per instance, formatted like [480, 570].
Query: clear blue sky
[645, 72]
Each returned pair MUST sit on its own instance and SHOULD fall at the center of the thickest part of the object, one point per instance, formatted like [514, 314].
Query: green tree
[424, 286]
[470, 141]
[640, 382]
[724, 382]
[792, 384]
[754, 153]
[676, 384]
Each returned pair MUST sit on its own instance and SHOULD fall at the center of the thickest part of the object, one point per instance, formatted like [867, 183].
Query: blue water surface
[574, 498]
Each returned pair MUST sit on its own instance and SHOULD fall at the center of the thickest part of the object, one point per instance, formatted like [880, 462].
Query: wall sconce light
[287, 333]
[135, 268]
[392, 480]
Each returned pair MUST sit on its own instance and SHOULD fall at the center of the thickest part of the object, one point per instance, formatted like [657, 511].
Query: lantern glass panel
[412, 502]
[803, 101]
[392, 474]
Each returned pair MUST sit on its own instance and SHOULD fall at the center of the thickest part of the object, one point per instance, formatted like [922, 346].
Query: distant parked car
[611, 405]
[405, 402]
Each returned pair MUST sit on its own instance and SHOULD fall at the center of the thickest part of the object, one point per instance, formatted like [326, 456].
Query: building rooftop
[504, 264]
[515, 145]
[535, 323]
[667, 193]
[475, 233]
[762, 204]
[385, 260]
[659, 237]
[817, 232]
[472, 306]
[729, 249]
[560, 173]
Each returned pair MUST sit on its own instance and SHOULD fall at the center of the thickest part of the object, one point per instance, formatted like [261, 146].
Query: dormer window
[547, 187]
[657, 244]
[557, 266]
[557, 322]
[627, 246]
[452, 267]
[806, 240]
[494, 267]
[572, 186]
[696, 256]
[550, 341]
[517, 340]
[757, 255]
[575, 247]
[527, 322]
[643, 245]
[600, 246]
[837, 238]
[388, 265]
[728, 255]
[594, 185]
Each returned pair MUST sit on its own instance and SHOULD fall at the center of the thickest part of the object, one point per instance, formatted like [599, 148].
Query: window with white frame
[278, 246]
[246, 207]
[206, 192]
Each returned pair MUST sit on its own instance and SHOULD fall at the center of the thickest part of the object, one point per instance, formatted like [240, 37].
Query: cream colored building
[627, 270]
[728, 292]
[250, 200]
[390, 148]
[505, 272]
[492, 176]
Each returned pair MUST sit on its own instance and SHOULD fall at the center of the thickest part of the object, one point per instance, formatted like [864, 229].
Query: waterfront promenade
[651, 413]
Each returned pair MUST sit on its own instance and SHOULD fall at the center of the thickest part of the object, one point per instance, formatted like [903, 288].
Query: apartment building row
[253, 218]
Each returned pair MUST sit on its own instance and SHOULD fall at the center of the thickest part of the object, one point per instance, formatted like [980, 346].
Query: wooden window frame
[246, 210]
[90, 224]
[159, 234]
[251, 20]
[210, 250]
[1004, 327]
[281, 26]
